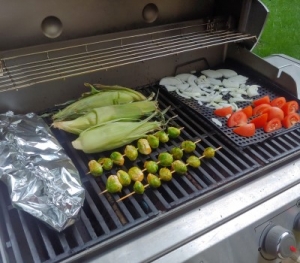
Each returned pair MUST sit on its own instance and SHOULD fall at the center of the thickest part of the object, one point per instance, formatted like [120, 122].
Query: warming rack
[38, 67]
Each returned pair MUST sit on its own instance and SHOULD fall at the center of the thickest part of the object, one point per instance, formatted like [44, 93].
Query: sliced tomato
[272, 125]
[260, 109]
[290, 107]
[262, 100]
[278, 102]
[237, 118]
[223, 111]
[290, 120]
[260, 120]
[248, 111]
[274, 112]
[246, 130]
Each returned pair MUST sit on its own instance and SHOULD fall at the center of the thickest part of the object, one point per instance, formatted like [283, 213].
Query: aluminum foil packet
[41, 178]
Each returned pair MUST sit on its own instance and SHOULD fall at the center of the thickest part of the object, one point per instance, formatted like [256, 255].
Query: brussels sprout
[138, 187]
[193, 161]
[177, 153]
[153, 141]
[144, 147]
[209, 152]
[179, 167]
[136, 174]
[165, 174]
[173, 132]
[113, 185]
[188, 146]
[95, 168]
[124, 178]
[117, 158]
[162, 136]
[153, 180]
[106, 163]
[151, 166]
[165, 159]
[131, 152]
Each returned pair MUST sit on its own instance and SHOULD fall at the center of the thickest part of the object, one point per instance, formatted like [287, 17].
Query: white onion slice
[227, 73]
[212, 73]
[183, 87]
[252, 90]
[182, 95]
[170, 88]
[239, 79]
[216, 121]
[192, 80]
[183, 76]
[170, 81]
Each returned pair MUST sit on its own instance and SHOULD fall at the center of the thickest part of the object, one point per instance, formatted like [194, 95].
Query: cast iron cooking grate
[26, 239]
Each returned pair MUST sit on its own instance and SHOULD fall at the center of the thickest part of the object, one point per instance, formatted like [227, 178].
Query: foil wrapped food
[41, 178]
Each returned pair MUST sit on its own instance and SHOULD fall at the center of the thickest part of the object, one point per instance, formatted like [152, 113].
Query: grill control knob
[279, 242]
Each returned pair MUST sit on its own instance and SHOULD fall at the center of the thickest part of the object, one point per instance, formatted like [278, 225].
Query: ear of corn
[133, 111]
[107, 95]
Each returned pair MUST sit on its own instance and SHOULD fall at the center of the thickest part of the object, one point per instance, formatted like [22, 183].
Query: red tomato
[246, 130]
[262, 100]
[237, 118]
[290, 107]
[278, 102]
[274, 112]
[260, 120]
[248, 111]
[260, 109]
[223, 111]
[272, 125]
[290, 120]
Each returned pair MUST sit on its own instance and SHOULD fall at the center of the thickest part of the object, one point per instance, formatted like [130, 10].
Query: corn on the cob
[107, 95]
[133, 111]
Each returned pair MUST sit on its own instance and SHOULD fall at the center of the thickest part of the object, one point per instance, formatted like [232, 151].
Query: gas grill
[225, 210]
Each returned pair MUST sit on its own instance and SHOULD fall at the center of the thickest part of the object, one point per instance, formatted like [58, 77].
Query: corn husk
[104, 96]
[133, 111]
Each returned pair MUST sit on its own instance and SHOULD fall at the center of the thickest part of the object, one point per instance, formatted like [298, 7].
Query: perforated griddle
[266, 88]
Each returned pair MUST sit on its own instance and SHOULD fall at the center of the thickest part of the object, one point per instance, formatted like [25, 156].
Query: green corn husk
[96, 116]
[111, 135]
[105, 96]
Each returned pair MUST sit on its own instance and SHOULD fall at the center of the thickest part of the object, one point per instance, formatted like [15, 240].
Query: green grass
[281, 34]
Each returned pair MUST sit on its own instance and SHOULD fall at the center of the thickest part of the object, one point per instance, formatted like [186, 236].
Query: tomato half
[260, 120]
[262, 100]
[246, 130]
[260, 109]
[274, 112]
[223, 111]
[272, 125]
[290, 107]
[278, 102]
[248, 111]
[290, 120]
[237, 118]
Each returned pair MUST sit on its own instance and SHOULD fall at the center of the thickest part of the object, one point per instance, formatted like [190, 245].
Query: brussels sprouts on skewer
[117, 158]
[173, 132]
[165, 174]
[179, 167]
[153, 180]
[136, 174]
[162, 136]
[131, 152]
[177, 153]
[124, 178]
[165, 159]
[209, 152]
[153, 141]
[106, 163]
[95, 168]
[143, 146]
[113, 184]
[188, 146]
[138, 188]
[151, 166]
[193, 161]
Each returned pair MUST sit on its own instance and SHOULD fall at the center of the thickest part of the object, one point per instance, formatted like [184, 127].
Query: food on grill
[252, 91]
[131, 152]
[96, 116]
[290, 120]
[162, 136]
[290, 107]
[212, 73]
[248, 110]
[227, 73]
[138, 187]
[193, 161]
[217, 122]
[237, 118]
[153, 141]
[102, 96]
[172, 81]
[188, 146]
[223, 112]
[113, 184]
[177, 153]
[278, 102]
[179, 167]
[173, 132]
[274, 112]
[144, 146]
[209, 152]
[165, 174]
[106, 163]
[117, 158]
[124, 178]
[273, 125]
[246, 130]
[153, 180]
[260, 109]
[239, 79]
[112, 135]
[260, 120]
[136, 174]
[165, 159]
[151, 166]
[95, 168]
[262, 100]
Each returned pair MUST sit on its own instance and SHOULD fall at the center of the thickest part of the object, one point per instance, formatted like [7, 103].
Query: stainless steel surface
[246, 7]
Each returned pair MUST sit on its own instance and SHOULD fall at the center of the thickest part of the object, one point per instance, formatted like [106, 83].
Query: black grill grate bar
[169, 192]
[63, 241]
[198, 179]
[87, 224]
[46, 241]
[288, 140]
[77, 235]
[189, 183]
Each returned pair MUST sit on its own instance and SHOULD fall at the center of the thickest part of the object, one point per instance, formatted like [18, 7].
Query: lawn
[281, 34]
